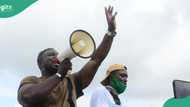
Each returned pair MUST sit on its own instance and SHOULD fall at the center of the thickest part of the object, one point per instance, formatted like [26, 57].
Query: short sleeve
[79, 91]
[28, 80]
[76, 85]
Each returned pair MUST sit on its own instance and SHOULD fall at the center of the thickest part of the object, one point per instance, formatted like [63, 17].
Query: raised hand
[110, 18]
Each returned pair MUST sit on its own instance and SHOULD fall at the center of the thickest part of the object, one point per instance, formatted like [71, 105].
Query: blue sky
[152, 40]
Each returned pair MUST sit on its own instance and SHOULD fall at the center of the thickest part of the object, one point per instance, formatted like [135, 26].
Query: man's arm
[32, 93]
[86, 74]
[35, 93]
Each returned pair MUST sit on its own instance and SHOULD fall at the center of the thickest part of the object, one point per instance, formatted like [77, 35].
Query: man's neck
[111, 89]
[47, 73]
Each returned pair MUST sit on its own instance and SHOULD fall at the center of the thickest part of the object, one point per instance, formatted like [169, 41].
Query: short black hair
[40, 56]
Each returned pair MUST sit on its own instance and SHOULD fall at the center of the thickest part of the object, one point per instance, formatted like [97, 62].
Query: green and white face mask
[117, 84]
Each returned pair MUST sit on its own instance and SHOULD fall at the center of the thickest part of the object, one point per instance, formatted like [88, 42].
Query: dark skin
[121, 75]
[36, 93]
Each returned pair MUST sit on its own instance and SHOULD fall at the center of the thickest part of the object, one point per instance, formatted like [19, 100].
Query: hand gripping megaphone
[81, 44]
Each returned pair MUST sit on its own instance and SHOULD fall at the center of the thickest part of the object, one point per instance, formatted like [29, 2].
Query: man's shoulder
[29, 79]
[100, 90]
[100, 96]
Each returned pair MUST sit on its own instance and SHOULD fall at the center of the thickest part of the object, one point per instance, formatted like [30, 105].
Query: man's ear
[110, 77]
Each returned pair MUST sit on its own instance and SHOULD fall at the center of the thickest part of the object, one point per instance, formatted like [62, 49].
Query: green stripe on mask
[117, 84]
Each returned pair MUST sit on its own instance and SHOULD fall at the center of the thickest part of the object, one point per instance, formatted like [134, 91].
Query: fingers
[105, 8]
[106, 11]
[114, 15]
[109, 10]
[109, 7]
[67, 60]
[110, 17]
[67, 64]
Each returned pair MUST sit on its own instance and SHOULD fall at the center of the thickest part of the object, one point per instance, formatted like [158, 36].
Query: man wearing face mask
[57, 88]
[115, 83]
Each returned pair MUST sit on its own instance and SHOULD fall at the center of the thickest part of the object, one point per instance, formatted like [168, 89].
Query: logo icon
[9, 8]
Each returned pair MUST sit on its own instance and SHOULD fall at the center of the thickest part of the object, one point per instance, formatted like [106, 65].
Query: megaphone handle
[68, 53]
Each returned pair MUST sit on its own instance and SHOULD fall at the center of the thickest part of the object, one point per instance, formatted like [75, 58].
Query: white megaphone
[81, 44]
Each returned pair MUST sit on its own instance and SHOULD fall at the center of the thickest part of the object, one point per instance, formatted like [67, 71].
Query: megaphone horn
[81, 44]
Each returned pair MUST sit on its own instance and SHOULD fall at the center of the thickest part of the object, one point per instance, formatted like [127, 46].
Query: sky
[152, 41]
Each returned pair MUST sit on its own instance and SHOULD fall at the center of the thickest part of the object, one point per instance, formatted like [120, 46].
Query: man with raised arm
[57, 88]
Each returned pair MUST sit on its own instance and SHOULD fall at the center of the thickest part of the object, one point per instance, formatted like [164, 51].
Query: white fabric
[101, 97]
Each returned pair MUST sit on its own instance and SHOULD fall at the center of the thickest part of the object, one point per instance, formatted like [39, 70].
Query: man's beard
[52, 69]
